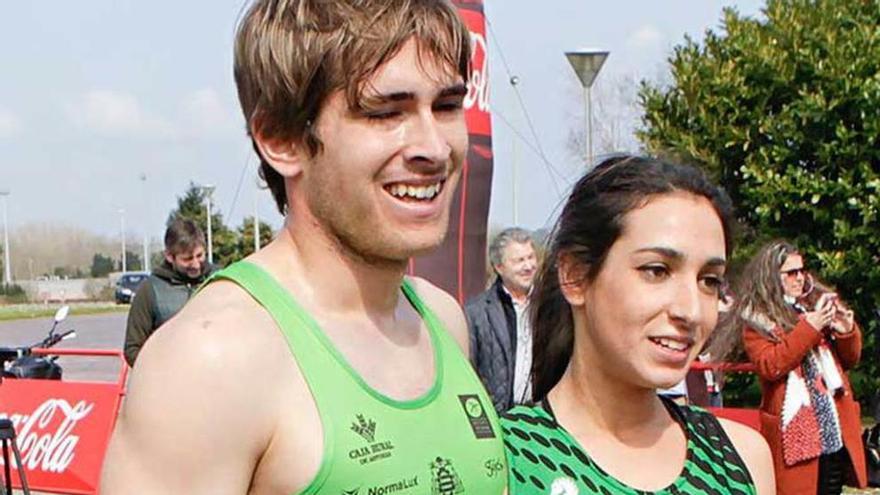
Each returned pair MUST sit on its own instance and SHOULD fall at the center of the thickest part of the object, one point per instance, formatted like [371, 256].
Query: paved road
[105, 331]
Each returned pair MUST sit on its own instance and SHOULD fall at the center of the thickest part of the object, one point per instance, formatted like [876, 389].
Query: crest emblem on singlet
[444, 479]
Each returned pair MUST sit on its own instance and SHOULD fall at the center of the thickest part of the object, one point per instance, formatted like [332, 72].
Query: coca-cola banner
[63, 429]
[459, 264]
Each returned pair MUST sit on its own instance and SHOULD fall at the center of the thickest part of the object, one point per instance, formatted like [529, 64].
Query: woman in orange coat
[808, 413]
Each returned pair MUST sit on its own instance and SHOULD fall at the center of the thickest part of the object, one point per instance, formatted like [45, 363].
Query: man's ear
[169, 257]
[573, 281]
[283, 155]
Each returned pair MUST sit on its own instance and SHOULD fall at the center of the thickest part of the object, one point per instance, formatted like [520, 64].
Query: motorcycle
[19, 362]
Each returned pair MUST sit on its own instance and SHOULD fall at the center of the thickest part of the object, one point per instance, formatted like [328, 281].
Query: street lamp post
[7, 267]
[208, 189]
[586, 64]
[514, 80]
[122, 232]
[146, 263]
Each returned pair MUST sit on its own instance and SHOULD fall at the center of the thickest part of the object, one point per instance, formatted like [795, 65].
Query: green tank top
[446, 442]
[544, 458]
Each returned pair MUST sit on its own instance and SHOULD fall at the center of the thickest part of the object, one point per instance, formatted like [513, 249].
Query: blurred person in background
[802, 339]
[499, 329]
[169, 286]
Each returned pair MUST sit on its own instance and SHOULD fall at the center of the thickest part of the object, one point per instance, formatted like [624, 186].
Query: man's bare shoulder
[194, 382]
[445, 307]
[220, 325]
[210, 345]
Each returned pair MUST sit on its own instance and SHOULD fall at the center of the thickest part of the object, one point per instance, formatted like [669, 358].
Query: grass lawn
[22, 311]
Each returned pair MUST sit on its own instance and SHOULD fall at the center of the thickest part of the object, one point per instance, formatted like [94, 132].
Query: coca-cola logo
[478, 87]
[45, 437]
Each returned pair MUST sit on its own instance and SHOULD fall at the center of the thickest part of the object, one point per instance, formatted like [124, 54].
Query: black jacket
[158, 298]
[492, 329]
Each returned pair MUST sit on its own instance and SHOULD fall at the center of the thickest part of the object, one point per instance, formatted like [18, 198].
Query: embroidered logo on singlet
[476, 415]
[373, 450]
[494, 467]
[398, 486]
[365, 428]
[444, 479]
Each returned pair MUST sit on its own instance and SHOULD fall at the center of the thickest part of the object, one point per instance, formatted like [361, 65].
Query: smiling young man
[315, 366]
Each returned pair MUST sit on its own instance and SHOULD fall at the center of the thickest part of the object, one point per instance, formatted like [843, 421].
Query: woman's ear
[573, 281]
[284, 155]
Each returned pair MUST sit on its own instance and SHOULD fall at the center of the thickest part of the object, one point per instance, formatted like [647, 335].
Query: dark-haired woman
[623, 304]
[802, 347]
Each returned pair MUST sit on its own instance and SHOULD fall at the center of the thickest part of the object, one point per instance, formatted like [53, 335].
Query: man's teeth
[416, 192]
[675, 345]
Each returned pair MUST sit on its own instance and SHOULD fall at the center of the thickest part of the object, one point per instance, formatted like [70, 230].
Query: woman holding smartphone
[802, 347]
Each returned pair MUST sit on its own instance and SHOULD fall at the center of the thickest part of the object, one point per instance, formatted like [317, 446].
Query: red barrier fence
[748, 417]
[63, 427]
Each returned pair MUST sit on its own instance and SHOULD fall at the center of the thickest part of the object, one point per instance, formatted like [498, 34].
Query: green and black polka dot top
[545, 459]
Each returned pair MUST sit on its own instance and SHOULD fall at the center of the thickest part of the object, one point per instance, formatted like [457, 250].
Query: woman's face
[793, 275]
[651, 307]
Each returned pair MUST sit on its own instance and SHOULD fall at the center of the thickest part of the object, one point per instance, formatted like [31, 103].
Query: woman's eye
[713, 283]
[654, 272]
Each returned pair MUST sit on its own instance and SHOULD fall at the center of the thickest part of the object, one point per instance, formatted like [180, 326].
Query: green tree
[133, 262]
[101, 266]
[784, 111]
[225, 241]
[246, 236]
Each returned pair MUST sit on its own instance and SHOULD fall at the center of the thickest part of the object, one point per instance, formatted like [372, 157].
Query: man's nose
[426, 140]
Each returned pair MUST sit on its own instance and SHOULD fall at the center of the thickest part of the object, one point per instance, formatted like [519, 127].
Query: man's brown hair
[290, 55]
[182, 236]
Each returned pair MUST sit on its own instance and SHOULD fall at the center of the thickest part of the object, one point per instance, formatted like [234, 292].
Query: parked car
[127, 286]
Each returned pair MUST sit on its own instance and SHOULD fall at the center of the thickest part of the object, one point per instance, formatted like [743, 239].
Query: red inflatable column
[458, 265]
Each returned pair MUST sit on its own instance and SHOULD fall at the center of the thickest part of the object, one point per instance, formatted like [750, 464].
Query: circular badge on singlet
[563, 486]
[473, 407]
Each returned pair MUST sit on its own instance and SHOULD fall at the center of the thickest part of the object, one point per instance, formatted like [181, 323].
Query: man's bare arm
[191, 422]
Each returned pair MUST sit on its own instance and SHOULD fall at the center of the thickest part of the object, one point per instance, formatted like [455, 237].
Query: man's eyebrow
[455, 90]
[679, 256]
[378, 99]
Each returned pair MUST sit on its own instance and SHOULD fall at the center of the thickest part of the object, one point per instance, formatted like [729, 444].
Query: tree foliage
[193, 205]
[101, 266]
[229, 245]
[784, 110]
[246, 236]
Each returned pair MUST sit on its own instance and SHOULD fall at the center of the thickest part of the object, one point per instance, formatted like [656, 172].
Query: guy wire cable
[549, 165]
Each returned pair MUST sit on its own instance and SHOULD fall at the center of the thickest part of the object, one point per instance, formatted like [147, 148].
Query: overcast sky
[119, 104]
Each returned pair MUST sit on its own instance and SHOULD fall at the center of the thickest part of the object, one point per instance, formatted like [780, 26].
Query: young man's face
[190, 263]
[383, 183]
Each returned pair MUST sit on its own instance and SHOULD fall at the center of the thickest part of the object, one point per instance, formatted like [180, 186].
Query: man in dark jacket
[169, 286]
[500, 334]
